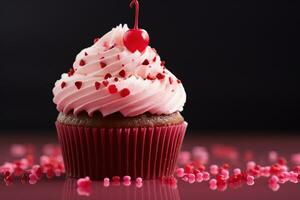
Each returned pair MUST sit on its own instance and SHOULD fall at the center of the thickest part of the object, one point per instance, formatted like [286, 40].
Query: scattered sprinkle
[112, 89]
[78, 84]
[97, 85]
[124, 92]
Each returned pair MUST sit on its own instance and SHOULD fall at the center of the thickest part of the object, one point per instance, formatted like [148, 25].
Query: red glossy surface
[61, 188]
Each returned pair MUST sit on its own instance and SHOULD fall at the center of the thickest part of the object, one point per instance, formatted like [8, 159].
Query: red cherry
[136, 39]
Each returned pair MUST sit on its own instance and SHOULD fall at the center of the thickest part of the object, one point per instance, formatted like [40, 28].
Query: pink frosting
[106, 77]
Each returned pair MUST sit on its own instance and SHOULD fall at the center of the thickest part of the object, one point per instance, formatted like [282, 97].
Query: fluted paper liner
[105, 152]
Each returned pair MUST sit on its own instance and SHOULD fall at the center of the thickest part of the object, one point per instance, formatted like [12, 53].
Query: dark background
[238, 60]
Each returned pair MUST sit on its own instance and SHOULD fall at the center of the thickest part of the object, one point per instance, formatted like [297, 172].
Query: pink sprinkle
[236, 171]
[214, 169]
[213, 184]
[191, 178]
[295, 158]
[199, 177]
[33, 179]
[275, 187]
[250, 180]
[185, 179]
[250, 165]
[106, 179]
[18, 150]
[84, 182]
[293, 177]
[126, 178]
[106, 184]
[139, 184]
[139, 180]
[273, 156]
[180, 172]
[200, 153]
[206, 176]
[84, 191]
[127, 183]
[225, 173]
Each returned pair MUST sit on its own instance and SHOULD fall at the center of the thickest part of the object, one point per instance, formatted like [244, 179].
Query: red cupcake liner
[105, 152]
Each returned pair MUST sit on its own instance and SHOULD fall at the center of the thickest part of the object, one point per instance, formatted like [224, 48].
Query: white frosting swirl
[107, 77]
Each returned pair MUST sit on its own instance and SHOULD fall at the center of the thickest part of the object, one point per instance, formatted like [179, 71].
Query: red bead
[112, 89]
[82, 63]
[146, 62]
[124, 92]
[170, 80]
[97, 85]
[122, 73]
[160, 76]
[102, 64]
[63, 84]
[78, 84]
[136, 39]
[105, 83]
[108, 75]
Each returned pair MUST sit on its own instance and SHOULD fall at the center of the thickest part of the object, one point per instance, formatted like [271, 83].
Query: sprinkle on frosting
[160, 76]
[97, 85]
[146, 62]
[124, 92]
[102, 64]
[107, 76]
[108, 63]
[63, 84]
[112, 89]
[78, 84]
[105, 83]
[82, 63]
[122, 73]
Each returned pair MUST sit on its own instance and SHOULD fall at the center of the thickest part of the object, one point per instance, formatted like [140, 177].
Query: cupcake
[119, 111]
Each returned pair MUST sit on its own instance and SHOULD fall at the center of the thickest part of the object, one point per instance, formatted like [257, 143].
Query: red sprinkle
[63, 84]
[178, 81]
[163, 63]
[170, 80]
[105, 83]
[112, 89]
[146, 62]
[108, 75]
[96, 40]
[122, 73]
[85, 53]
[154, 59]
[116, 79]
[102, 64]
[97, 85]
[82, 62]
[118, 57]
[78, 84]
[160, 76]
[150, 77]
[71, 72]
[124, 92]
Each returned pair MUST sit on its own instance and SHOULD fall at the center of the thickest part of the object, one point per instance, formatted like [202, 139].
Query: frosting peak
[107, 77]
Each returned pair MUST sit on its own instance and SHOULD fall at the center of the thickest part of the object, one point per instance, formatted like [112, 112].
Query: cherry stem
[136, 19]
